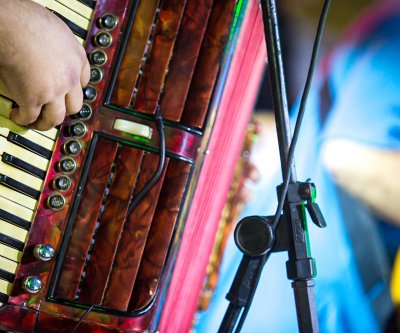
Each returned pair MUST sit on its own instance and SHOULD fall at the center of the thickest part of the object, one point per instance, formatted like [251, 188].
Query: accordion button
[43, 252]
[95, 74]
[103, 39]
[89, 94]
[98, 57]
[84, 113]
[31, 284]
[77, 129]
[55, 201]
[66, 165]
[72, 147]
[108, 21]
[62, 183]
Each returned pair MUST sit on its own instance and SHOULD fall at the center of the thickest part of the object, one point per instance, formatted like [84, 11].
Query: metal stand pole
[259, 236]
[300, 267]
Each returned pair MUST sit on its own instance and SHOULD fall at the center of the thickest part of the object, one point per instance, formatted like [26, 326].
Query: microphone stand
[256, 236]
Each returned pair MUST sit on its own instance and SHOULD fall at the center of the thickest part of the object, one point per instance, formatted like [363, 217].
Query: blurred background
[350, 147]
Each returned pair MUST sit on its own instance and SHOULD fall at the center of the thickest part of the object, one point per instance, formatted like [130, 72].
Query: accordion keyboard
[25, 157]
[76, 14]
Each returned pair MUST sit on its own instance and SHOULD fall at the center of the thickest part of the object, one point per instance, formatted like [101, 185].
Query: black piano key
[76, 29]
[6, 216]
[6, 275]
[3, 298]
[14, 104]
[12, 242]
[20, 164]
[89, 3]
[24, 142]
[20, 187]
[6, 97]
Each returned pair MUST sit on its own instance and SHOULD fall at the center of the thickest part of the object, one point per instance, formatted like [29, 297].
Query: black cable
[254, 284]
[82, 318]
[161, 163]
[230, 318]
[307, 86]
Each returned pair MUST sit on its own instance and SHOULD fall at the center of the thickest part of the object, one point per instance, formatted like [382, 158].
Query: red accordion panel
[135, 49]
[208, 63]
[111, 225]
[113, 268]
[127, 261]
[154, 71]
[86, 218]
[160, 235]
[182, 65]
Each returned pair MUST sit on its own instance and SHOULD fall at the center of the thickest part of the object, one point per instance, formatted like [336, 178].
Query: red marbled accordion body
[171, 53]
[111, 224]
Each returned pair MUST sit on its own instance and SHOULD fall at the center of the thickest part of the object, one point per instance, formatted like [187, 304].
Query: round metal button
[108, 21]
[61, 183]
[89, 93]
[103, 39]
[31, 284]
[66, 165]
[84, 113]
[43, 252]
[96, 74]
[56, 201]
[98, 57]
[72, 147]
[77, 129]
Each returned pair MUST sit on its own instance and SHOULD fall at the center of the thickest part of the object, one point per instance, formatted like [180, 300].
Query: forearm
[372, 175]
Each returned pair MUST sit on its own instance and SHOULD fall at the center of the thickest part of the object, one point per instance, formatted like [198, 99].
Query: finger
[52, 115]
[25, 115]
[74, 100]
[85, 74]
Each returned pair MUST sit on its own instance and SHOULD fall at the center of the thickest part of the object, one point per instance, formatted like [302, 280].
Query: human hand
[42, 64]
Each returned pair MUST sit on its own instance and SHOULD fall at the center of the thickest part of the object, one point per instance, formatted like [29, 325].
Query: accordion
[73, 256]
